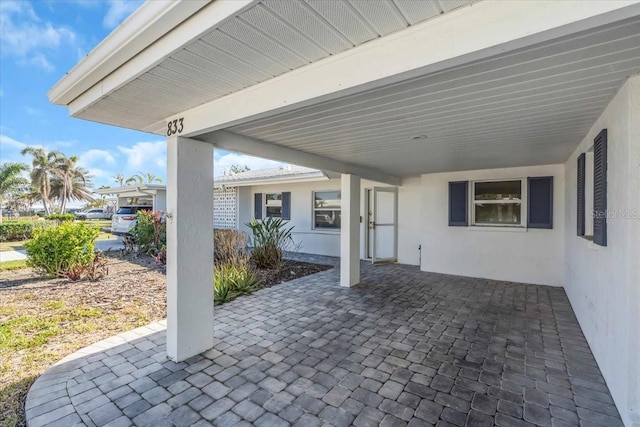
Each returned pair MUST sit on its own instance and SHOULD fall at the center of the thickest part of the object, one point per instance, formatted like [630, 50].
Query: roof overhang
[290, 179]
[133, 190]
[493, 84]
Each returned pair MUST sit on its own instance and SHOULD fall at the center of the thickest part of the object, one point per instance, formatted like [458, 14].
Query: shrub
[270, 239]
[15, 230]
[57, 251]
[61, 217]
[150, 232]
[229, 246]
[231, 281]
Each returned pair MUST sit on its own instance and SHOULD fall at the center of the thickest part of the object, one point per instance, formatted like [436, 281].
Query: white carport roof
[133, 190]
[382, 89]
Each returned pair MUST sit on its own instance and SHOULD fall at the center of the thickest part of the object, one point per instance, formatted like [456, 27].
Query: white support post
[189, 247]
[350, 231]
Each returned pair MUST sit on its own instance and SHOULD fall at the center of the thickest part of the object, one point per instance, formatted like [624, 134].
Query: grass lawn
[43, 320]
[13, 265]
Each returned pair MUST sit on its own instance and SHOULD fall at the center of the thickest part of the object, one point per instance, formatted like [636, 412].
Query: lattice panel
[224, 207]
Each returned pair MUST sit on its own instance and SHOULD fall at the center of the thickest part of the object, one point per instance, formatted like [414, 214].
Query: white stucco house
[489, 139]
[154, 195]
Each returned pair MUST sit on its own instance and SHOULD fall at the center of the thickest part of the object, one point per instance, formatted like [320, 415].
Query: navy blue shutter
[580, 211]
[458, 203]
[540, 206]
[257, 206]
[600, 189]
[286, 205]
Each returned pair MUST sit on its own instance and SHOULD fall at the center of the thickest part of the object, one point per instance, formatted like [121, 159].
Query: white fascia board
[246, 145]
[124, 63]
[468, 34]
[130, 188]
[269, 181]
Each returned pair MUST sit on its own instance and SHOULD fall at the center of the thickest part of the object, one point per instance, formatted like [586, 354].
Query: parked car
[93, 214]
[125, 218]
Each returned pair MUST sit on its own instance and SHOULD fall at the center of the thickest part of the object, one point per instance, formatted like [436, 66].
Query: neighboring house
[504, 136]
[153, 195]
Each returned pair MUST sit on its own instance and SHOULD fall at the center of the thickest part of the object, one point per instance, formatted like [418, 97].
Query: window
[326, 209]
[273, 205]
[498, 203]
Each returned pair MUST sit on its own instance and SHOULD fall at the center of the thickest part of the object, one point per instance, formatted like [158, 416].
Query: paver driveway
[406, 347]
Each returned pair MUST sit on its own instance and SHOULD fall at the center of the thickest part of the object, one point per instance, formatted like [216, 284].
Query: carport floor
[403, 348]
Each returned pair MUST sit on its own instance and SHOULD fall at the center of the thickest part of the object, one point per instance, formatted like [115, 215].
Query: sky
[40, 41]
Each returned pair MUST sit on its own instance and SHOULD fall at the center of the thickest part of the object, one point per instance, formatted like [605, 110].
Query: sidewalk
[101, 245]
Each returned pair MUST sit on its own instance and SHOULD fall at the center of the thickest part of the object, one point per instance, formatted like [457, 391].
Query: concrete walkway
[102, 245]
[405, 348]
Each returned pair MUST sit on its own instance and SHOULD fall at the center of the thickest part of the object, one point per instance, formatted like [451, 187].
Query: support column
[189, 247]
[350, 231]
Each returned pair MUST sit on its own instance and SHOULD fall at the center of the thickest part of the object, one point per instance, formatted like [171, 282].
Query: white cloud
[118, 11]
[10, 143]
[146, 156]
[96, 157]
[25, 36]
[224, 160]
[39, 60]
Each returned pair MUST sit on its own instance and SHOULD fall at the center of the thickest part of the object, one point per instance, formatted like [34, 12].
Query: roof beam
[468, 34]
[255, 147]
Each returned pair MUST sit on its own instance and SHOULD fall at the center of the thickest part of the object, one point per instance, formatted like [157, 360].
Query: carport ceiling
[524, 108]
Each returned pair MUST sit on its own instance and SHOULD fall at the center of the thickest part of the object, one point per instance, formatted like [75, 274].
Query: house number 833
[175, 126]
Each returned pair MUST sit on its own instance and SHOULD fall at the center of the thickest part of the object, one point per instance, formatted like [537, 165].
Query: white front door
[382, 236]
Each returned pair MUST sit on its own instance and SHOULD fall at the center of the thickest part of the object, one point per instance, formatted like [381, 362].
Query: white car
[125, 218]
[93, 214]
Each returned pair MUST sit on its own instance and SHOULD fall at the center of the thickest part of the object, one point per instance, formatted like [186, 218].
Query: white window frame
[314, 210]
[522, 201]
[265, 204]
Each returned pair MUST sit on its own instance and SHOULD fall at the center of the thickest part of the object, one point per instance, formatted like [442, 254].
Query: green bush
[150, 233]
[271, 238]
[57, 251]
[15, 230]
[231, 281]
[61, 217]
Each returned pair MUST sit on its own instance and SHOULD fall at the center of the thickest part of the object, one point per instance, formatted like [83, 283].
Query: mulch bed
[289, 270]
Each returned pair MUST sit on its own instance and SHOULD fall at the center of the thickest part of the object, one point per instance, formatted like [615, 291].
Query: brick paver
[403, 348]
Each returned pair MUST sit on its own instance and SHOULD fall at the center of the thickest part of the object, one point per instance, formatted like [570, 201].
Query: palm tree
[143, 178]
[42, 167]
[149, 177]
[70, 181]
[10, 180]
[135, 179]
[119, 178]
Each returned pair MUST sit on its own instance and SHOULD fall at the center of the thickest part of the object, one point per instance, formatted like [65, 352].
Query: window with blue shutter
[600, 189]
[257, 206]
[458, 203]
[286, 205]
[540, 206]
[580, 211]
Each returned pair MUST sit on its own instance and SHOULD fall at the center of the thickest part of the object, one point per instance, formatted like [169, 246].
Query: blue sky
[40, 41]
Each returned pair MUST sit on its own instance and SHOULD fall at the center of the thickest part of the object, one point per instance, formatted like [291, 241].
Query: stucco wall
[603, 282]
[518, 255]
[327, 242]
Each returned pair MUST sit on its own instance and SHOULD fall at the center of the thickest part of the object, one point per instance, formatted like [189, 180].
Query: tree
[70, 181]
[43, 165]
[10, 180]
[119, 178]
[234, 169]
[143, 178]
